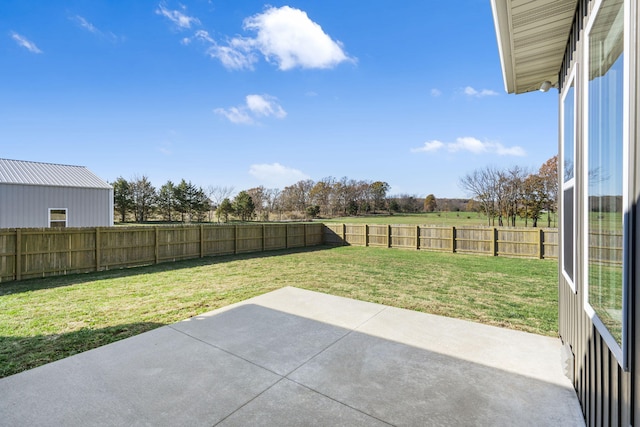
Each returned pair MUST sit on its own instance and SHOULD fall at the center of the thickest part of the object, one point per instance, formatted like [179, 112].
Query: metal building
[589, 51]
[36, 194]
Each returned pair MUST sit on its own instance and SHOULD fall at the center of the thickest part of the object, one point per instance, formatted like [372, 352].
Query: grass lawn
[448, 219]
[42, 320]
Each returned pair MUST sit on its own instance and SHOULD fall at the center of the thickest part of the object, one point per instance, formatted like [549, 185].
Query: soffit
[532, 38]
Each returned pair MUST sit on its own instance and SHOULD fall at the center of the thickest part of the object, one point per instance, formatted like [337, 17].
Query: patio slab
[296, 357]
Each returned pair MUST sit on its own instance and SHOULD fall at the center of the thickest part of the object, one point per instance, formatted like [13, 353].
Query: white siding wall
[24, 206]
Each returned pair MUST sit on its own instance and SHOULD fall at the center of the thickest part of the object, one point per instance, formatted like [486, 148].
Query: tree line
[139, 200]
[501, 194]
[504, 194]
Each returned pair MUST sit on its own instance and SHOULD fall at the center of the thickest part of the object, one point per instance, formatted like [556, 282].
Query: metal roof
[532, 38]
[48, 174]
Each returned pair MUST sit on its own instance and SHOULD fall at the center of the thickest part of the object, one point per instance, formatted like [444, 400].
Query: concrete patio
[295, 357]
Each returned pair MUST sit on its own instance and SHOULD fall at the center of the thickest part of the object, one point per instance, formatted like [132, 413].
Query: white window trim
[570, 183]
[621, 353]
[66, 216]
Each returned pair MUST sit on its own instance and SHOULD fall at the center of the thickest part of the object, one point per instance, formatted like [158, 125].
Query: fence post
[286, 236]
[305, 235]
[453, 239]
[494, 242]
[263, 236]
[98, 252]
[156, 249]
[389, 236]
[344, 234]
[201, 241]
[541, 244]
[366, 234]
[417, 237]
[235, 239]
[18, 254]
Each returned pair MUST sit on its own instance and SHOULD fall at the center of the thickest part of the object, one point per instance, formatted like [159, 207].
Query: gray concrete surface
[293, 358]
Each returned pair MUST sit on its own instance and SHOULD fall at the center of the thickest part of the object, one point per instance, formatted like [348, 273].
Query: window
[606, 175]
[568, 145]
[57, 218]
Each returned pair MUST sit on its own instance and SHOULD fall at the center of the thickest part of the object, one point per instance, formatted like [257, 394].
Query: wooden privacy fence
[26, 253]
[511, 242]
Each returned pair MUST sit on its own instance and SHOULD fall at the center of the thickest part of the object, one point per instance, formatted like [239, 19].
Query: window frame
[572, 82]
[66, 217]
[620, 351]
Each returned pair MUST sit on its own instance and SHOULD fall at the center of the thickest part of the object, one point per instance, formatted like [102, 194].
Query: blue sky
[248, 93]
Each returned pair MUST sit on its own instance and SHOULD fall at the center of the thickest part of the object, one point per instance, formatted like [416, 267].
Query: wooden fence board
[26, 253]
[436, 238]
[404, 236]
[275, 237]
[509, 242]
[314, 234]
[219, 240]
[295, 235]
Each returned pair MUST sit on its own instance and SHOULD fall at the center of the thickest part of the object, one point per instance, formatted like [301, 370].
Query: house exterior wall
[26, 206]
[604, 381]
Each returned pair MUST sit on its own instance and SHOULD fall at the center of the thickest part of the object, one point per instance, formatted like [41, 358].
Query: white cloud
[468, 143]
[233, 58]
[277, 175]
[86, 25]
[284, 36]
[25, 43]
[434, 145]
[238, 115]
[256, 106]
[236, 55]
[509, 151]
[204, 36]
[436, 92]
[178, 18]
[472, 145]
[479, 94]
[265, 106]
[287, 36]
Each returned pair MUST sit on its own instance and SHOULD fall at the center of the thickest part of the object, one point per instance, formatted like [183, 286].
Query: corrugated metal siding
[605, 390]
[28, 205]
[49, 174]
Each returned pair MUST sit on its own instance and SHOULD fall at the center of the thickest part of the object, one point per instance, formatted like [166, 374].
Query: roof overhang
[532, 38]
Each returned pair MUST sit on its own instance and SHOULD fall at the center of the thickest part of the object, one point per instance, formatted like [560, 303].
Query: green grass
[449, 219]
[43, 320]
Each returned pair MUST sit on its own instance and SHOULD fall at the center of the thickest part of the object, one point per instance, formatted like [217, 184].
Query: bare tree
[322, 194]
[514, 192]
[481, 185]
[217, 194]
[549, 175]
[273, 201]
[534, 197]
